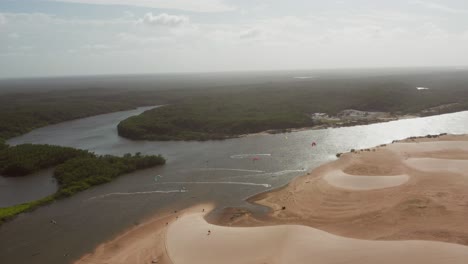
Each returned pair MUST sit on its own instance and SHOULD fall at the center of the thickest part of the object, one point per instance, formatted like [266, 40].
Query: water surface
[220, 171]
[17, 190]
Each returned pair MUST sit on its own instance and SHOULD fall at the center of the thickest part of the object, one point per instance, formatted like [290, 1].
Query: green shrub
[76, 170]
[28, 158]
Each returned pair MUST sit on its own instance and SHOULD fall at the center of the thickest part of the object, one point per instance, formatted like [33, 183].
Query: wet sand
[189, 243]
[405, 202]
[431, 205]
[145, 243]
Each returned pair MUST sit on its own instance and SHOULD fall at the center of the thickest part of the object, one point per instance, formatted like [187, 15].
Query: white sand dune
[227, 169]
[250, 155]
[434, 165]
[188, 242]
[339, 179]
[266, 185]
[430, 146]
[360, 219]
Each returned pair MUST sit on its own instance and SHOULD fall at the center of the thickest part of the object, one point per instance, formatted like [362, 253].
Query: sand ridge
[340, 179]
[399, 203]
[188, 242]
[431, 205]
[144, 243]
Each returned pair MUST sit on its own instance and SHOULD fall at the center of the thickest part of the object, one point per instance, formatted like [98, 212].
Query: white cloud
[37, 19]
[20, 50]
[132, 39]
[188, 5]
[433, 31]
[250, 33]
[25, 47]
[440, 7]
[163, 19]
[96, 47]
[2, 19]
[128, 14]
[260, 39]
[26, 18]
[13, 35]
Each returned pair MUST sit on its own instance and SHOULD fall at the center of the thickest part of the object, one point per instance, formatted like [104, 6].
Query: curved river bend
[221, 171]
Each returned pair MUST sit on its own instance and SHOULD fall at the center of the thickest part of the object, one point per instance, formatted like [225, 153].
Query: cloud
[163, 19]
[3, 19]
[96, 47]
[439, 7]
[187, 5]
[26, 18]
[132, 39]
[250, 33]
[128, 14]
[170, 40]
[25, 48]
[13, 35]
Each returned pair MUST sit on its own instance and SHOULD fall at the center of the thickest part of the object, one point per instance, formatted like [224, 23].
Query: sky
[93, 37]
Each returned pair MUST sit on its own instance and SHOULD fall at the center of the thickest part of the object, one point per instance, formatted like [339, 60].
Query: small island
[75, 170]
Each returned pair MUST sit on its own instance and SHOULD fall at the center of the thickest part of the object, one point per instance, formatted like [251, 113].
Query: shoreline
[385, 212]
[338, 123]
[327, 126]
[259, 196]
[413, 206]
[143, 243]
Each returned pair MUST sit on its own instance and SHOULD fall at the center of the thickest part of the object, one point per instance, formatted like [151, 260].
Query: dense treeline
[245, 110]
[28, 158]
[211, 119]
[23, 112]
[76, 170]
[202, 107]
[83, 172]
[17, 118]
[3, 145]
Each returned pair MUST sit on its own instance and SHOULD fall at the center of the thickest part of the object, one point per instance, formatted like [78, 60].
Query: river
[220, 171]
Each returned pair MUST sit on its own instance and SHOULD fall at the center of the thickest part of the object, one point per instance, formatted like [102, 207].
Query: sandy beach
[405, 202]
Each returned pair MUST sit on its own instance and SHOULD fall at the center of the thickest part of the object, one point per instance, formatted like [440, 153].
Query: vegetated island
[404, 202]
[75, 170]
[319, 104]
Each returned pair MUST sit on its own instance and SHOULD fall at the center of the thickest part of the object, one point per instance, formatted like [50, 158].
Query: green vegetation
[204, 107]
[80, 173]
[19, 115]
[23, 112]
[230, 113]
[211, 119]
[3, 145]
[10, 212]
[28, 158]
[76, 170]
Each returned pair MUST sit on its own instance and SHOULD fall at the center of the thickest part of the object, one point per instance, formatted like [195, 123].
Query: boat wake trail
[243, 156]
[227, 169]
[304, 77]
[135, 193]
[269, 174]
[233, 183]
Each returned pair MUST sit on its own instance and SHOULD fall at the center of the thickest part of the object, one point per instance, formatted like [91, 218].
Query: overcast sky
[81, 37]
